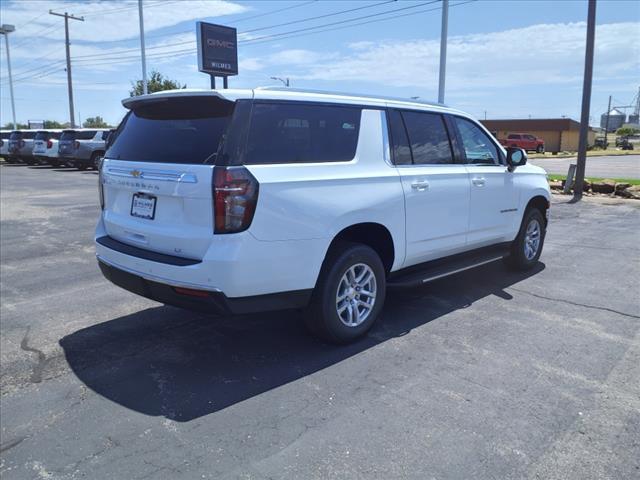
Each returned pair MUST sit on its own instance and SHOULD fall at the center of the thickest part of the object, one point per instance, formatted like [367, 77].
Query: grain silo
[616, 120]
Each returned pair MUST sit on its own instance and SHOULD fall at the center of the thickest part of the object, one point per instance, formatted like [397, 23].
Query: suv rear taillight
[235, 196]
[49, 144]
[101, 186]
[77, 144]
[22, 143]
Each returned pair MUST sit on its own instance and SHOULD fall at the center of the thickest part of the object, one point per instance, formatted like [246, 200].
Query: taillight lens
[100, 186]
[77, 144]
[235, 196]
[49, 144]
[22, 143]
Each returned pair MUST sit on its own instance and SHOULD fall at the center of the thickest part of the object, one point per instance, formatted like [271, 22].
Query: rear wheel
[349, 295]
[540, 149]
[96, 158]
[527, 247]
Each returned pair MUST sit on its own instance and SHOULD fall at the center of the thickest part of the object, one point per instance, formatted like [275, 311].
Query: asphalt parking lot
[486, 374]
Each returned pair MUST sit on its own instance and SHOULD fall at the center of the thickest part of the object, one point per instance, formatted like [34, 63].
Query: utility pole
[443, 49]
[586, 103]
[69, 83]
[606, 125]
[144, 58]
[6, 30]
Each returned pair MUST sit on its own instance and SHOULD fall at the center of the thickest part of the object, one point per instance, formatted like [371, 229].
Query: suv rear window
[172, 130]
[302, 133]
[15, 136]
[46, 135]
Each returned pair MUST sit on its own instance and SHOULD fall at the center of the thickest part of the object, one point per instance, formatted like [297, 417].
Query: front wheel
[540, 149]
[527, 247]
[349, 295]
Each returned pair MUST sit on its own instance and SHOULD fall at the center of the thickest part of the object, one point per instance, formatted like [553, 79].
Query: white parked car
[4, 143]
[45, 147]
[238, 201]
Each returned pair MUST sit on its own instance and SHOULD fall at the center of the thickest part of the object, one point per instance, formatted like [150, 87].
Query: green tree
[156, 83]
[95, 122]
[626, 131]
[53, 124]
[20, 126]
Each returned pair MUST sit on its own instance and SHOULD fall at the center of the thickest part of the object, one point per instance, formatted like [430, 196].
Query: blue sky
[509, 59]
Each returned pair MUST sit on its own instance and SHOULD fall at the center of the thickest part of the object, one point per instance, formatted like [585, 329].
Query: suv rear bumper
[202, 300]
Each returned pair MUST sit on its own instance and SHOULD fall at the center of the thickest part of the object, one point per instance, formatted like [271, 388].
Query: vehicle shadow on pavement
[168, 362]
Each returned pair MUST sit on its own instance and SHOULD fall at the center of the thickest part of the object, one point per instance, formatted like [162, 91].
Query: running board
[443, 267]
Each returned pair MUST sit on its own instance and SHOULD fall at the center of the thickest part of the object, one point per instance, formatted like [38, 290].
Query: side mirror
[516, 157]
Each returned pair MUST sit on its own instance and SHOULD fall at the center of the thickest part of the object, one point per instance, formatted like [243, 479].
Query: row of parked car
[81, 148]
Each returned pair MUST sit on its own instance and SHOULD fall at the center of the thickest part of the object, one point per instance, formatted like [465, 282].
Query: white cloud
[109, 21]
[538, 54]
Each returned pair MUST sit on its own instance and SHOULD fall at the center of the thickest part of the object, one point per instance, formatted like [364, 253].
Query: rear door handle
[478, 181]
[420, 185]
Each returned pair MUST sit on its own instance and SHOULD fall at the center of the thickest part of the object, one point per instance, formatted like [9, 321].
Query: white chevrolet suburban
[237, 201]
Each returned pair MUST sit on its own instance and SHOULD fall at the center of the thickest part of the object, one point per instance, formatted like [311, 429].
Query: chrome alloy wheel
[356, 295]
[532, 239]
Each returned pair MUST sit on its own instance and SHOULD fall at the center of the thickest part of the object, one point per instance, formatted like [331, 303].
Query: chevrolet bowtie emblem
[136, 173]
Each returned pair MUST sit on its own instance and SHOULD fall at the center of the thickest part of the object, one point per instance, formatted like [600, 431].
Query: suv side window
[513, 137]
[302, 133]
[400, 149]
[429, 138]
[478, 147]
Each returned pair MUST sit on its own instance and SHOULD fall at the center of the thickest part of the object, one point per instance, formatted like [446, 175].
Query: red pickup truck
[525, 141]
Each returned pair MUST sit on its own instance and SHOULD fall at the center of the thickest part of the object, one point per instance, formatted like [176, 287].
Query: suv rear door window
[302, 133]
[68, 135]
[85, 135]
[172, 130]
[513, 137]
[429, 138]
[400, 149]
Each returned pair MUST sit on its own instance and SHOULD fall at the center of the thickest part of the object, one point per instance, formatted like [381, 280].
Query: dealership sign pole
[217, 51]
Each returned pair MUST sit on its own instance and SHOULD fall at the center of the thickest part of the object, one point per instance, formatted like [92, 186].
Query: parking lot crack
[36, 374]
[577, 304]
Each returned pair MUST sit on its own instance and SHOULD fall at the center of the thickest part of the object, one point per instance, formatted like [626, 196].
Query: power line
[87, 62]
[192, 42]
[252, 42]
[320, 16]
[340, 22]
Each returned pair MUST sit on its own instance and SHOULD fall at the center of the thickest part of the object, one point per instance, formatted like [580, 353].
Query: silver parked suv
[82, 148]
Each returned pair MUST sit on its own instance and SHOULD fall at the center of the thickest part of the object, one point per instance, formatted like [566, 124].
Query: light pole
[285, 81]
[443, 49]
[144, 58]
[6, 30]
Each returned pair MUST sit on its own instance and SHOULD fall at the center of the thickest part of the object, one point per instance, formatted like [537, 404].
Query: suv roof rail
[350, 94]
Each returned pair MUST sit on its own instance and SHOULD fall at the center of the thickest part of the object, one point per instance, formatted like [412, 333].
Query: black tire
[322, 317]
[95, 159]
[540, 149]
[54, 163]
[82, 166]
[517, 259]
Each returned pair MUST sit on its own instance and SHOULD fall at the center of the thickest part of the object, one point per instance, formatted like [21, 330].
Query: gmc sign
[217, 49]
